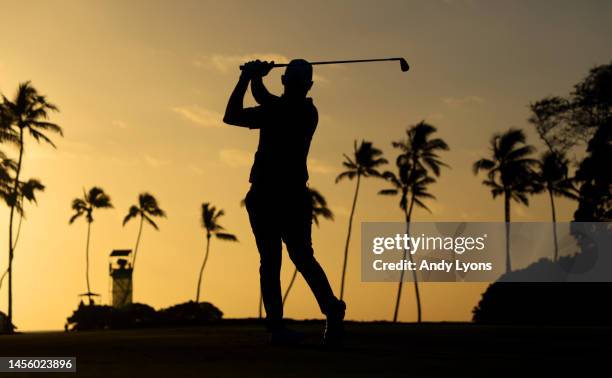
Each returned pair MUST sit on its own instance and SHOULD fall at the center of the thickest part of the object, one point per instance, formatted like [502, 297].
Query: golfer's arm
[234, 112]
[260, 92]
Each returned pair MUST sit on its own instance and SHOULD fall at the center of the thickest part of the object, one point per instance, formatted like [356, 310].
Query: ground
[240, 348]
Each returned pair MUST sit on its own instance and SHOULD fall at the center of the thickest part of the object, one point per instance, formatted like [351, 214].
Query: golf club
[403, 64]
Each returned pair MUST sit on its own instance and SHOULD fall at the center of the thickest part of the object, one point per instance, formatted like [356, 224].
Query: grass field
[239, 348]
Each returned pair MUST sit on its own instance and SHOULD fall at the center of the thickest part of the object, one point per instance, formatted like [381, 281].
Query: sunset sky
[142, 86]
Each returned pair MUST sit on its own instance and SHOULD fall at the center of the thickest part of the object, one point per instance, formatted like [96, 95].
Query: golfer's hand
[256, 68]
[265, 68]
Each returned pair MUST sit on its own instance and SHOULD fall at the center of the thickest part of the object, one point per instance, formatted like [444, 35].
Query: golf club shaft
[342, 61]
[339, 62]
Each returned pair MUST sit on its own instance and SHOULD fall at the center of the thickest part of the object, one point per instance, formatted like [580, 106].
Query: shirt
[286, 129]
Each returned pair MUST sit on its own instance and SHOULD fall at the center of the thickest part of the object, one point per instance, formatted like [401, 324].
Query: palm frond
[75, 216]
[150, 221]
[388, 192]
[132, 213]
[226, 236]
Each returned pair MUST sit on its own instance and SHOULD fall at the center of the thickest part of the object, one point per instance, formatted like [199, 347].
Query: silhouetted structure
[120, 271]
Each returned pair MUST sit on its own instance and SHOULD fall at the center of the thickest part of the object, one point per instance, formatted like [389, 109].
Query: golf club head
[404, 65]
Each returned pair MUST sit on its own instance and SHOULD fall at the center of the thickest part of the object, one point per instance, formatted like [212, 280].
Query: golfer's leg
[270, 253]
[299, 245]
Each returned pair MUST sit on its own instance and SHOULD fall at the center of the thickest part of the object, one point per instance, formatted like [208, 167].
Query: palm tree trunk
[137, 243]
[414, 275]
[290, 286]
[507, 218]
[202, 268]
[87, 262]
[18, 231]
[348, 237]
[14, 247]
[554, 224]
[10, 239]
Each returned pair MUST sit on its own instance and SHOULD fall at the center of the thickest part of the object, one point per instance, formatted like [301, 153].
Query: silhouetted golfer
[278, 203]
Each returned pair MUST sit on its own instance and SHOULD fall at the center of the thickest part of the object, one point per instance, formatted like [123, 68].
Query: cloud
[230, 63]
[155, 162]
[200, 116]
[236, 158]
[192, 168]
[455, 102]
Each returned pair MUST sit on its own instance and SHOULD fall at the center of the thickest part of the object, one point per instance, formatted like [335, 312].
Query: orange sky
[142, 85]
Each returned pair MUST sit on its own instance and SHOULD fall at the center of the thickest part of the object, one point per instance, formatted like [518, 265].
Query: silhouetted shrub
[138, 315]
[88, 317]
[190, 313]
[518, 297]
[134, 315]
[4, 324]
[540, 303]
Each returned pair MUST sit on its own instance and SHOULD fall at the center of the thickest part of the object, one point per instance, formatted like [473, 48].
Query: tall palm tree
[418, 155]
[509, 173]
[146, 209]
[552, 175]
[27, 112]
[95, 198]
[411, 185]
[365, 162]
[319, 209]
[210, 223]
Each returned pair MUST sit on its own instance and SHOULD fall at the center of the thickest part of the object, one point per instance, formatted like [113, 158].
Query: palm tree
[319, 208]
[210, 222]
[146, 209]
[27, 112]
[411, 185]
[552, 176]
[95, 198]
[365, 162]
[509, 173]
[419, 154]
